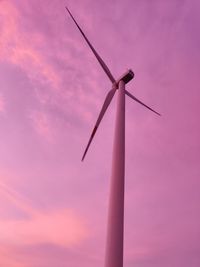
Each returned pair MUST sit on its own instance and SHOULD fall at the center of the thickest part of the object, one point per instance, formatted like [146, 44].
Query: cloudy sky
[53, 207]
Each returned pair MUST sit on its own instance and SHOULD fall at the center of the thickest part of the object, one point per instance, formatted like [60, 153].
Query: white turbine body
[115, 227]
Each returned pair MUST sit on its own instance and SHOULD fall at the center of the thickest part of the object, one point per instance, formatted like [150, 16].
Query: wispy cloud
[2, 104]
[8, 257]
[22, 48]
[60, 227]
[42, 126]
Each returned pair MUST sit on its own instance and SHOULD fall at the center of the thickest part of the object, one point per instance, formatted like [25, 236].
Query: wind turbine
[115, 227]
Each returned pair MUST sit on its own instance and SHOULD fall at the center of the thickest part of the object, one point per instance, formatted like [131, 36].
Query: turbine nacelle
[126, 77]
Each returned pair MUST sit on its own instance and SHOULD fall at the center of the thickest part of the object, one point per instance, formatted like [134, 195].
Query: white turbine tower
[115, 228]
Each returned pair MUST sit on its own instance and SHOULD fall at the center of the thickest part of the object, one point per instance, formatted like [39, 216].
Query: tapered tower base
[115, 228]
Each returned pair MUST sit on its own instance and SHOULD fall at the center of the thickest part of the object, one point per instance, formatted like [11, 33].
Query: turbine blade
[101, 114]
[137, 100]
[100, 60]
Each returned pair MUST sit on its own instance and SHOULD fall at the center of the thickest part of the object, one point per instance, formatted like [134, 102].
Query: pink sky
[53, 207]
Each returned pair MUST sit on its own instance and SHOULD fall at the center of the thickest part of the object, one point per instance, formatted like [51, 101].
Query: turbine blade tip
[158, 113]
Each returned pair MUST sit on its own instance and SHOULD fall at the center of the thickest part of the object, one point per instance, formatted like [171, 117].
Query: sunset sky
[53, 207]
